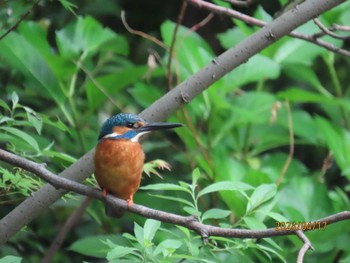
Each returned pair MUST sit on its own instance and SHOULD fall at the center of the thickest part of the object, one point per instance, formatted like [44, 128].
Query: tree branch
[172, 44]
[256, 22]
[307, 245]
[116, 203]
[62, 234]
[240, 3]
[327, 31]
[166, 105]
[24, 16]
[190, 222]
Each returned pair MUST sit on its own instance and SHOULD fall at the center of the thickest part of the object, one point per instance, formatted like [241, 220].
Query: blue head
[130, 127]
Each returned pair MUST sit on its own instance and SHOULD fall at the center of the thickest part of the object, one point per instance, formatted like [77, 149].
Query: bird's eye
[130, 125]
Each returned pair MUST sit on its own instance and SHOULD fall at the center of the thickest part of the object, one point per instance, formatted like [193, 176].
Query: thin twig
[98, 85]
[328, 31]
[253, 21]
[172, 44]
[70, 222]
[240, 3]
[340, 28]
[307, 245]
[24, 16]
[197, 26]
[186, 115]
[291, 146]
[140, 33]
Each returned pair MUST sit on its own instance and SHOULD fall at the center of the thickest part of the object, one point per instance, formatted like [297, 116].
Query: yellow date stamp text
[293, 226]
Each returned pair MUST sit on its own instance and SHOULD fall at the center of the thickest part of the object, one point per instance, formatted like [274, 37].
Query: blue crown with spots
[121, 119]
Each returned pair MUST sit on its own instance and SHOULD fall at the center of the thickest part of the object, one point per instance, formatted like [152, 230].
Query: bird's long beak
[154, 126]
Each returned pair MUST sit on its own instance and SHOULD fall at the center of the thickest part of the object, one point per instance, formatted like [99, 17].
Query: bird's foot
[104, 192]
[130, 201]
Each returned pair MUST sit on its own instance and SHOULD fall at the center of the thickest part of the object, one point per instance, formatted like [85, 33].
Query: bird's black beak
[154, 126]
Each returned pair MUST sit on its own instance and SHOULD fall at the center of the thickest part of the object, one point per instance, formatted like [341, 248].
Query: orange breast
[118, 166]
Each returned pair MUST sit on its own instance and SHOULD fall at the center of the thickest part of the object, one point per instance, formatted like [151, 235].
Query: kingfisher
[119, 158]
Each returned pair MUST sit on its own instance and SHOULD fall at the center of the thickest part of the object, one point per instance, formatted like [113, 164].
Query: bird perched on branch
[119, 157]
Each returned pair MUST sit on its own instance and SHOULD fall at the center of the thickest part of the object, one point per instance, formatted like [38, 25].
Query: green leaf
[185, 230]
[304, 125]
[176, 199]
[94, 246]
[252, 107]
[167, 247]
[231, 37]
[224, 186]
[68, 5]
[36, 35]
[150, 228]
[301, 95]
[215, 213]
[34, 119]
[268, 251]
[120, 252]
[340, 200]
[254, 223]
[260, 195]
[21, 55]
[56, 124]
[261, 14]
[5, 119]
[257, 68]
[191, 210]
[11, 259]
[337, 140]
[165, 187]
[85, 35]
[145, 94]
[277, 217]
[23, 136]
[195, 176]
[195, 51]
[60, 155]
[297, 51]
[138, 231]
[4, 105]
[303, 73]
[15, 100]
[100, 88]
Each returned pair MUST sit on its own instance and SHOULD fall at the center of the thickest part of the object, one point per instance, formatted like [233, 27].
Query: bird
[119, 157]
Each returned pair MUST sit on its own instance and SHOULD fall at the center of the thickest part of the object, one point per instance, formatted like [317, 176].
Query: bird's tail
[116, 213]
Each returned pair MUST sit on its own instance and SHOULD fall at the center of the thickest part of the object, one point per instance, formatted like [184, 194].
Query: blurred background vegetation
[71, 64]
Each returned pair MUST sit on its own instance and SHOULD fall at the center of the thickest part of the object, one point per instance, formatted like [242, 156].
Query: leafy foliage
[57, 85]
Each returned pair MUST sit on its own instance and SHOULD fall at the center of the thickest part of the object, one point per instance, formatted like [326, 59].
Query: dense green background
[62, 73]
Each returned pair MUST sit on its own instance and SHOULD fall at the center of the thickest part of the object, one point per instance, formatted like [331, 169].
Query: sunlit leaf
[22, 56]
[150, 228]
[164, 187]
[119, 252]
[254, 223]
[11, 259]
[23, 136]
[215, 213]
[261, 194]
[225, 186]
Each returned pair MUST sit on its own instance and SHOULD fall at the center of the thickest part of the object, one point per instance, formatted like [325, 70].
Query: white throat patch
[134, 139]
[111, 135]
[138, 136]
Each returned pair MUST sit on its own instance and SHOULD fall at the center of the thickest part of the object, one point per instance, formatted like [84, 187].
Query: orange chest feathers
[118, 166]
